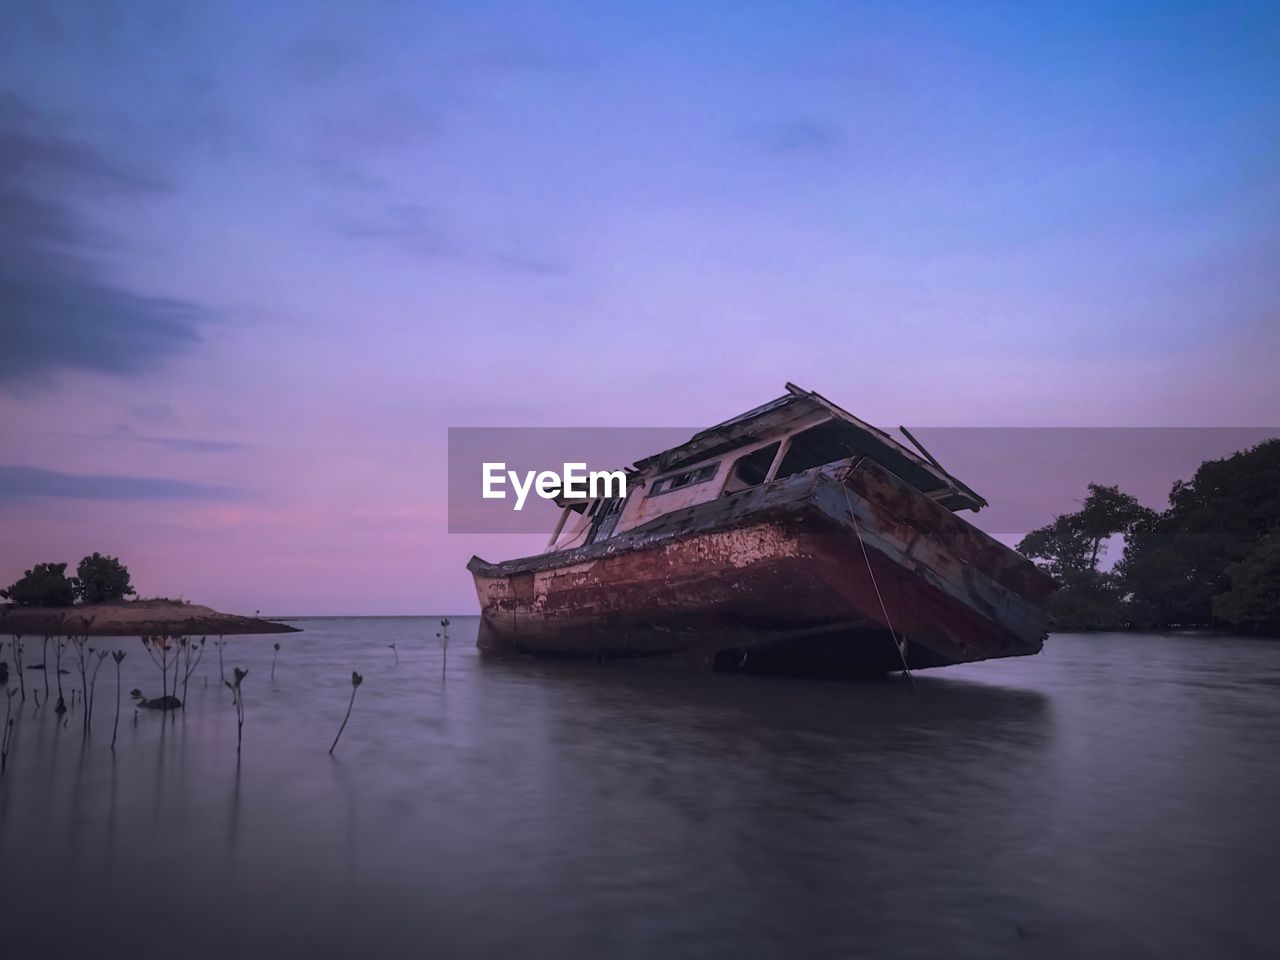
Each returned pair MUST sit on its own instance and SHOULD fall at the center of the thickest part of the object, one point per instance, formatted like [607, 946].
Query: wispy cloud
[412, 227]
[26, 483]
[422, 231]
[388, 121]
[152, 412]
[60, 310]
[189, 444]
[173, 444]
[797, 136]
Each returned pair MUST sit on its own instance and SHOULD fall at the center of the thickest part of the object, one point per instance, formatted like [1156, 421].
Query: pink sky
[280, 282]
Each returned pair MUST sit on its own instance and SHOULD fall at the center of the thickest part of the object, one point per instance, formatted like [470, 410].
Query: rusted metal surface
[797, 407]
[775, 577]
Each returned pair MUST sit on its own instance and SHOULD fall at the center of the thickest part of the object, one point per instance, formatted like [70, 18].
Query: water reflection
[1063, 805]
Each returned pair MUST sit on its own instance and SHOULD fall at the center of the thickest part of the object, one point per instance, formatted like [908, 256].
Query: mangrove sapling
[273, 659]
[93, 686]
[396, 652]
[17, 666]
[356, 680]
[444, 643]
[237, 699]
[117, 656]
[161, 643]
[58, 647]
[44, 665]
[83, 654]
[220, 643]
[8, 730]
[189, 664]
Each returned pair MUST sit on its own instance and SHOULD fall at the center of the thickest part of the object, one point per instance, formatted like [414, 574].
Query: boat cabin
[796, 432]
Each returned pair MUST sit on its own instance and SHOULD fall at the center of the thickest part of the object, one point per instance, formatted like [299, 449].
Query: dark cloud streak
[57, 309]
[174, 444]
[412, 227]
[798, 136]
[26, 483]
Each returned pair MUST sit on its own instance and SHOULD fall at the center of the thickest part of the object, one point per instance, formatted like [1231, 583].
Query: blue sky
[278, 249]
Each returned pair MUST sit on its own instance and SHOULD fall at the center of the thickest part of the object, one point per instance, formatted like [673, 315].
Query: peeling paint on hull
[775, 579]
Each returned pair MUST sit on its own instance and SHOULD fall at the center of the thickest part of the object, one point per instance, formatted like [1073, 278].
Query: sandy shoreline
[132, 619]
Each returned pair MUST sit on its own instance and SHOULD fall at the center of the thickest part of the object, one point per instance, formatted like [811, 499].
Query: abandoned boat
[794, 538]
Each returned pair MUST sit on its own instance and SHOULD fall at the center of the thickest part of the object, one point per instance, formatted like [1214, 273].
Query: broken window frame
[703, 473]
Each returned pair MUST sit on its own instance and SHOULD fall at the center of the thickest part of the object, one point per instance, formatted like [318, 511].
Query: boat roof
[848, 437]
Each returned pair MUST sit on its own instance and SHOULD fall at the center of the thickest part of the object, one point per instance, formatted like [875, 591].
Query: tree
[1069, 549]
[1176, 563]
[1089, 600]
[1253, 601]
[1059, 547]
[44, 585]
[100, 579]
[1106, 513]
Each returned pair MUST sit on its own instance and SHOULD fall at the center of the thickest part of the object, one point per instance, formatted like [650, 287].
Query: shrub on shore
[98, 579]
[102, 579]
[44, 585]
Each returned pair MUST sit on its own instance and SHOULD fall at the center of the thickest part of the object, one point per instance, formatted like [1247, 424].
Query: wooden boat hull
[824, 572]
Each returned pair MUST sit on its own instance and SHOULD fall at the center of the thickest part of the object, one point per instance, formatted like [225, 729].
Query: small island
[45, 601]
[132, 618]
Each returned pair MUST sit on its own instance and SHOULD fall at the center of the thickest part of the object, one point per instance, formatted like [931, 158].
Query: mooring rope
[899, 645]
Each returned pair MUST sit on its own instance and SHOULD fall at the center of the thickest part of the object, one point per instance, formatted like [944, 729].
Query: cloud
[25, 483]
[124, 434]
[154, 412]
[388, 121]
[189, 444]
[421, 231]
[796, 136]
[414, 228]
[57, 309]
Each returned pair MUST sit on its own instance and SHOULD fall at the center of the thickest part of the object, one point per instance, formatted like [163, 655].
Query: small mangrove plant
[44, 665]
[396, 652]
[191, 653]
[7, 739]
[16, 644]
[237, 700]
[90, 683]
[161, 643]
[444, 646]
[58, 646]
[356, 680]
[274, 657]
[85, 657]
[117, 656]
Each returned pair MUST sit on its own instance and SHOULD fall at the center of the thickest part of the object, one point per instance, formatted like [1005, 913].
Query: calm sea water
[1116, 796]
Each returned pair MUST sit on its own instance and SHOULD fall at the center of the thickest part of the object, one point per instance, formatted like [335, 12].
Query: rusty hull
[816, 573]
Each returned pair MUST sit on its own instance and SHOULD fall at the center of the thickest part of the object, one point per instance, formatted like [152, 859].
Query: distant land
[132, 618]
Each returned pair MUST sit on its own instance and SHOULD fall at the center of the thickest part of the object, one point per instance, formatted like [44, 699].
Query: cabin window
[751, 469]
[605, 518]
[686, 478]
[825, 443]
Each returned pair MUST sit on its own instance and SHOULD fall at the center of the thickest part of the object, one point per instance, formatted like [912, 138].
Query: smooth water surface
[1118, 795]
